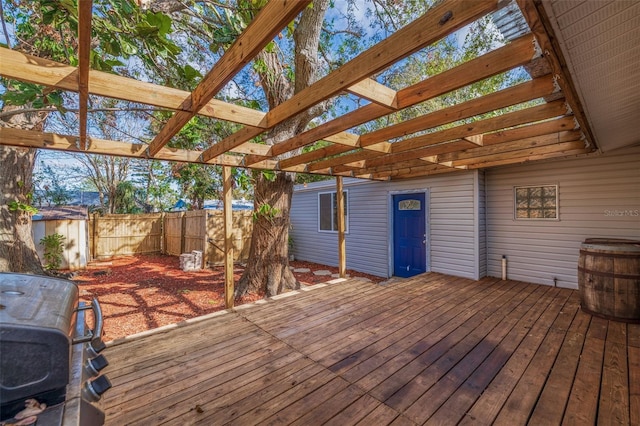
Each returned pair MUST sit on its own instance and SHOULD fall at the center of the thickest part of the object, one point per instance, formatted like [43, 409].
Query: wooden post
[94, 237]
[342, 249]
[183, 231]
[205, 238]
[163, 233]
[228, 236]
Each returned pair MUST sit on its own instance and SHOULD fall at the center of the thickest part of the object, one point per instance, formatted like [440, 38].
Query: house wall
[453, 242]
[75, 242]
[598, 197]
[482, 225]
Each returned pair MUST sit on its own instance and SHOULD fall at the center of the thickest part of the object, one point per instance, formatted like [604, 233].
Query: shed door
[409, 235]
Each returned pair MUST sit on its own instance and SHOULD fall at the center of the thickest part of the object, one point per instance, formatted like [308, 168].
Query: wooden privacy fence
[125, 234]
[170, 233]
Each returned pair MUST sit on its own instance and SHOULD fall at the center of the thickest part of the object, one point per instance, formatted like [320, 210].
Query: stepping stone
[338, 276]
[322, 272]
[302, 270]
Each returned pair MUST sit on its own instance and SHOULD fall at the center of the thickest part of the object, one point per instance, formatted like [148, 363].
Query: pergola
[554, 128]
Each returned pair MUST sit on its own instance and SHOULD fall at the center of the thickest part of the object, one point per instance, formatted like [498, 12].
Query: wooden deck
[433, 349]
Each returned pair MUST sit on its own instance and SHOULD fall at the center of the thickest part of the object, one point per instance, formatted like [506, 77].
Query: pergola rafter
[426, 144]
[84, 56]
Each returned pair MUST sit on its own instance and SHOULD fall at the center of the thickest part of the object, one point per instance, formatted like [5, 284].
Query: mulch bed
[139, 293]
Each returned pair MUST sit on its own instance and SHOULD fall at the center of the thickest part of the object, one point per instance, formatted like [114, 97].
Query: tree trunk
[268, 268]
[17, 249]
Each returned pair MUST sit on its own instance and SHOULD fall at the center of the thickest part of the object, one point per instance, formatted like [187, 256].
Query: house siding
[482, 225]
[451, 221]
[590, 190]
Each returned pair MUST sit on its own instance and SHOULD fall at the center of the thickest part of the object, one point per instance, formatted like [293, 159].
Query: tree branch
[4, 26]
[307, 41]
[7, 114]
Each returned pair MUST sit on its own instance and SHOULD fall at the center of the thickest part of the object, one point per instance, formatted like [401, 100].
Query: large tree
[48, 29]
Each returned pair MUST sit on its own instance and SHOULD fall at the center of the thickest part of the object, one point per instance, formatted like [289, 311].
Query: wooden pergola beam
[413, 171]
[31, 69]
[33, 139]
[550, 151]
[227, 204]
[415, 162]
[230, 143]
[550, 126]
[84, 56]
[448, 140]
[307, 157]
[438, 22]
[342, 247]
[516, 53]
[507, 97]
[512, 119]
[333, 127]
[523, 92]
[261, 31]
[375, 92]
[452, 146]
[343, 159]
[468, 156]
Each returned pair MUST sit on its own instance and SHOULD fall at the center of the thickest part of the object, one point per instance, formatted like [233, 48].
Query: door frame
[427, 228]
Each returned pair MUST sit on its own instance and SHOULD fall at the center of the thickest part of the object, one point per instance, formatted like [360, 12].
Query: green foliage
[198, 182]
[16, 206]
[126, 198]
[153, 180]
[266, 211]
[269, 175]
[120, 30]
[53, 251]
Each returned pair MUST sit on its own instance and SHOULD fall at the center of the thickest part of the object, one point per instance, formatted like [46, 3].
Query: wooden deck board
[432, 349]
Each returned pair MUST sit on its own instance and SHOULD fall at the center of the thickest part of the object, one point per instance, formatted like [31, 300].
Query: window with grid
[536, 202]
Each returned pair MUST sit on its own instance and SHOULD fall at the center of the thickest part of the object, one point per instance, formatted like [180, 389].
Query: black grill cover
[37, 319]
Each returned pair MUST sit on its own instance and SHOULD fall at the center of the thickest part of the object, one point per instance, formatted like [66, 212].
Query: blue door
[409, 235]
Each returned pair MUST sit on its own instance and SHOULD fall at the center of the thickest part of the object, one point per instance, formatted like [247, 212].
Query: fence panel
[126, 234]
[173, 233]
[195, 231]
[242, 228]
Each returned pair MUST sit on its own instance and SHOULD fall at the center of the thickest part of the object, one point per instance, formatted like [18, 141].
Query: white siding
[590, 192]
[76, 245]
[453, 245]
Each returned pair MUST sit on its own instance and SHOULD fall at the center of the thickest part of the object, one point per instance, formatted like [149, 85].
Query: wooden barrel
[609, 279]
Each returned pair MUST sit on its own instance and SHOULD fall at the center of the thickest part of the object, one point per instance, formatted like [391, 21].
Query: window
[536, 202]
[409, 205]
[328, 212]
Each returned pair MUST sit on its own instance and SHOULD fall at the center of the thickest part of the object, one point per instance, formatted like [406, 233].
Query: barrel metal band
[609, 317]
[612, 255]
[609, 274]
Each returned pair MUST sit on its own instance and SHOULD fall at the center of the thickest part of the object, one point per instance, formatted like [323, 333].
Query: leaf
[160, 21]
[143, 29]
[269, 175]
[128, 48]
[190, 73]
[270, 47]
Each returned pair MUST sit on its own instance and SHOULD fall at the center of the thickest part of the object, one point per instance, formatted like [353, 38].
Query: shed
[72, 223]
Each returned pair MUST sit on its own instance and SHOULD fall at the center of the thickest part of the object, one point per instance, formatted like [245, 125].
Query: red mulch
[139, 293]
